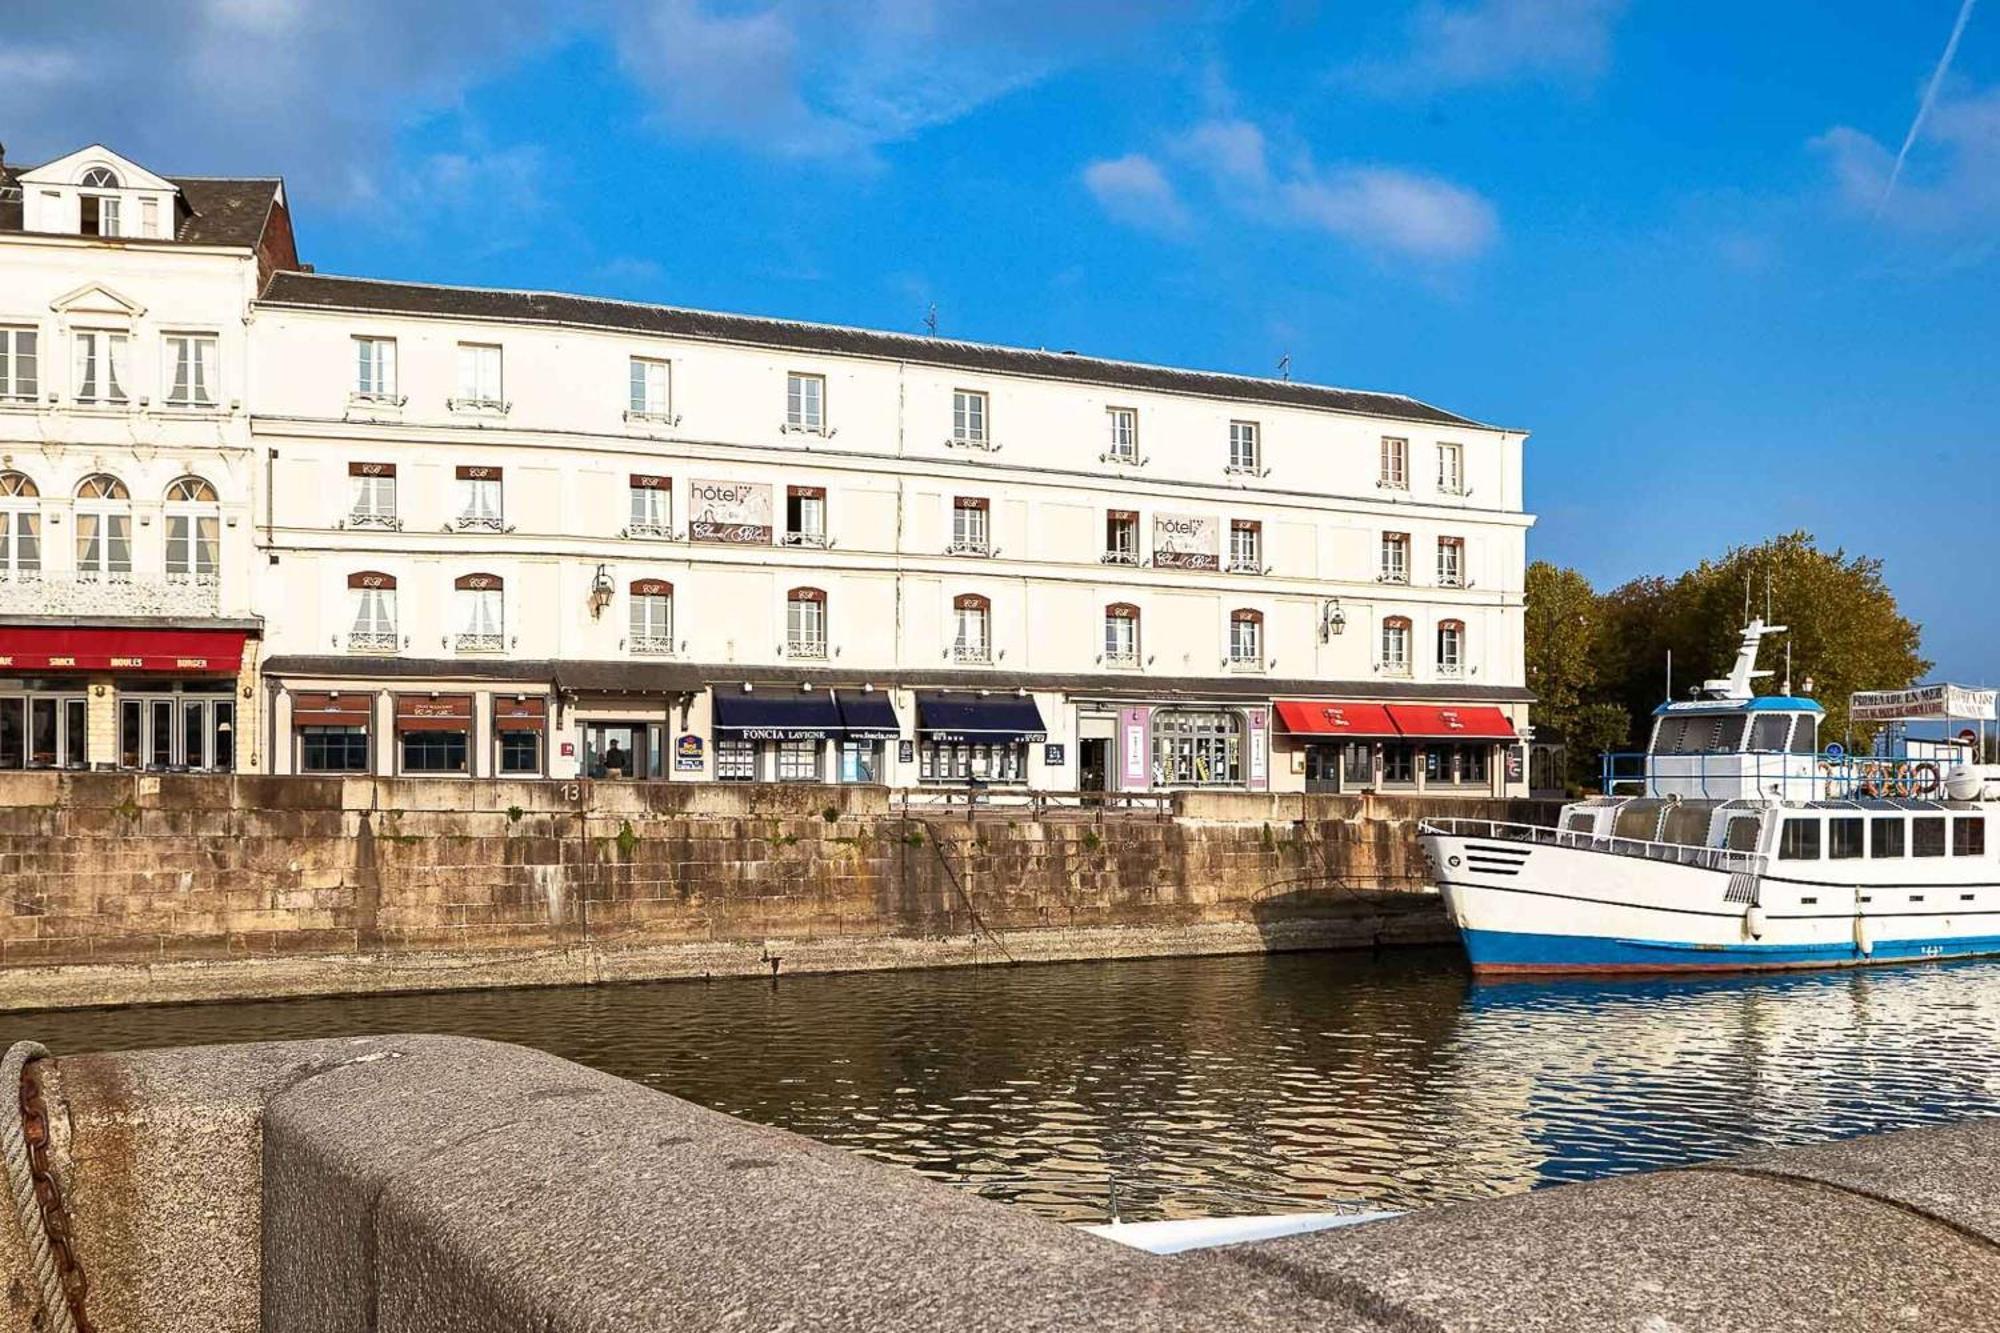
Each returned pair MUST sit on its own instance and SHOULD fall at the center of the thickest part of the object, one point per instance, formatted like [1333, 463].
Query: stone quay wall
[123, 888]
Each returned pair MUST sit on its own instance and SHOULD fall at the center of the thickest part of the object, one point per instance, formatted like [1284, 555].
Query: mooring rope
[21, 1184]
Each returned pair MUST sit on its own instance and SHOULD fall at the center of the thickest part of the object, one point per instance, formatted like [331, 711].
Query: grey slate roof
[223, 211]
[329, 292]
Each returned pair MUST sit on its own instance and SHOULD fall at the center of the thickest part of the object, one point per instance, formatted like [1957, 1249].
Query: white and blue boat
[1738, 841]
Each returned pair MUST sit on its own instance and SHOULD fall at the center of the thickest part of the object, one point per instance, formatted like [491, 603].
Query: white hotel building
[447, 531]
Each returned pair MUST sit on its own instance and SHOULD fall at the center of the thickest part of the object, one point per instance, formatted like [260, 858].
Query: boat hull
[1540, 909]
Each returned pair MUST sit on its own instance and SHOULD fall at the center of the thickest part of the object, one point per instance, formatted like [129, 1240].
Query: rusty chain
[48, 1194]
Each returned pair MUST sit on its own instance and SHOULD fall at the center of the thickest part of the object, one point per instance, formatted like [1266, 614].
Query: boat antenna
[1670, 675]
[1748, 581]
[1788, 668]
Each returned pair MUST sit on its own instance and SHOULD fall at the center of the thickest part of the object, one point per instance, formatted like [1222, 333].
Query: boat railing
[1721, 859]
[1769, 775]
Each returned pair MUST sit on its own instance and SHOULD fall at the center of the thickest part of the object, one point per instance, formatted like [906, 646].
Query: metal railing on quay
[1770, 775]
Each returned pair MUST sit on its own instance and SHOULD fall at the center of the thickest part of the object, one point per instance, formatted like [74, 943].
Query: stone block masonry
[131, 888]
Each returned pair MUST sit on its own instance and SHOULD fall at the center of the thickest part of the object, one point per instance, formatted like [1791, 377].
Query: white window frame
[1246, 643]
[480, 507]
[805, 628]
[1395, 470]
[375, 370]
[805, 402]
[191, 369]
[481, 378]
[14, 385]
[972, 640]
[1451, 562]
[21, 526]
[652, 511]
[1120, 552]
[1395, 558]
[650, 390]
[373, 624]
[482, 619]
[1246, 550]
[184, 543]
[112, 517]
[1124, 440]
[1451, 469]
[1246, 447]
[811, 529]
[102, 362]
[1450, 649]
[651, 622]
[1121, 640]
[1394, 647]
[370, 508]
[971, 529]
[969, 417]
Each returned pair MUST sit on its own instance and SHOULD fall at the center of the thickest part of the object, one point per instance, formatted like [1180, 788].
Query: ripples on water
[1229, 1085]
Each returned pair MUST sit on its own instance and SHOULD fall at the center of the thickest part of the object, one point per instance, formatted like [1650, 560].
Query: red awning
[208, 652]
[1317, 717]
[1434, 722]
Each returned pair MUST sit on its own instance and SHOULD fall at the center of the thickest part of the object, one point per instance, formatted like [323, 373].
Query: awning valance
[971, 719]
[1317, 717]
[1433, 722]
[867, 716]
[208, 652]
[1415, 722]
[805, 716]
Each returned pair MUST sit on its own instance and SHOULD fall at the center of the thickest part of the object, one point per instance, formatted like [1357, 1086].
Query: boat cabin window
[1639, 820]
[1581, 822]
[1799, 841]
[1968, 835]
[1805, 736]
[1927, 835]
[1768, 732]
[1742, 833]
[1843, 839]
[1886, 834]
[1700, 734]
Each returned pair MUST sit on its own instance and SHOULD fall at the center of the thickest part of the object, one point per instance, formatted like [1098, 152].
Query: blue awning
[970, 719]
[777, 717]
[868, 717]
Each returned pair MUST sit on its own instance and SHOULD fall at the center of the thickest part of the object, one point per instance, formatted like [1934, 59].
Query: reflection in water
[1229, 1085]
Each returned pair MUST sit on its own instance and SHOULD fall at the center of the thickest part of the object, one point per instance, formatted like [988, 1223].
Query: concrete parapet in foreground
[431, 1183]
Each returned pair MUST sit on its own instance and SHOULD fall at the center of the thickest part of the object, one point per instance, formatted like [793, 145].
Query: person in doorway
[616, 762]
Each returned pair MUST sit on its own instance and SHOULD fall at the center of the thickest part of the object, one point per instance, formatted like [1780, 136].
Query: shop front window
[945, 761]
[333, 749]
[1197, 748]
[736, 761]
[1399, 764]
[861, 761]
[799, 761]
[434, 752]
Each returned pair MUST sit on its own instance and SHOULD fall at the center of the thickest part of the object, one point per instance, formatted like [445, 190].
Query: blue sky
[1652, 233]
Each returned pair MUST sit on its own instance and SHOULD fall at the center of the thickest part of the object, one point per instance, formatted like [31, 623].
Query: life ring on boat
[1924, 780]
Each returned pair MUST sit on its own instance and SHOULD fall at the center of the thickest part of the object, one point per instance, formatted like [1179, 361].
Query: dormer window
[100, 211]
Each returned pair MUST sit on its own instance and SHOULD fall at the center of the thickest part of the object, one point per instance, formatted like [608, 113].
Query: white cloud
[1388, 208]
[1378, 207]
[1485, 42]
[1133, 190]
[1950, 186]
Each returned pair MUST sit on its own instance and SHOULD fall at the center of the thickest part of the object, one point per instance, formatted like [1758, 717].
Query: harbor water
[1189, 1087]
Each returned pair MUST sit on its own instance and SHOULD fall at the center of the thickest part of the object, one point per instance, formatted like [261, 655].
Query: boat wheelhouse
[1738, 840]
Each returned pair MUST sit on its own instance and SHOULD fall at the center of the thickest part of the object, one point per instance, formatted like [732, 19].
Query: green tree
[1845, 631]
[1564, 669]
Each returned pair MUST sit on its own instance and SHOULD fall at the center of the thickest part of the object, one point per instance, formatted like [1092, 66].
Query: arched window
[481, 614]
[373, 595]
[1395, 658]
[1246, 639]
[972, 640]
[805, 623]
[652, 616]
[1451, 647]
[20, 526]
[194, 530]
[1121, 634]
[99, 212]
[103, 528]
